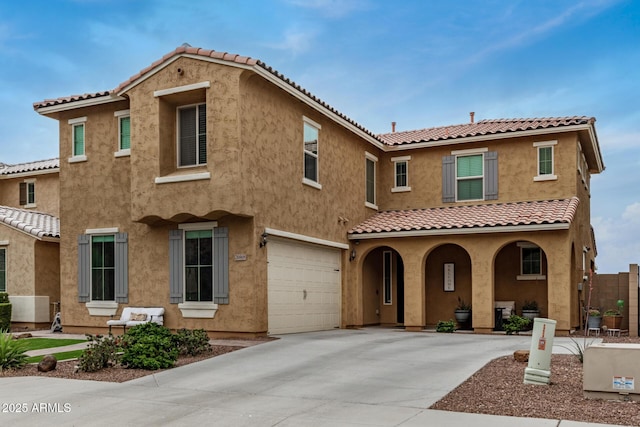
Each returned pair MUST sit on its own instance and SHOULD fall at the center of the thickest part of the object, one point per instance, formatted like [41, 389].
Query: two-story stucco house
[211, 185]
[29, 240]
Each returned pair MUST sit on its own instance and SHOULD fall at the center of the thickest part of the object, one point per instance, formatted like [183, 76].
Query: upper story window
[124, 133]
[192, 135]
[470, 175]
[78, 139]
[546, 170]
[28, 193]
[583, 169]
[401, 174]
[311, 131]
[370, 180]
[3, 270]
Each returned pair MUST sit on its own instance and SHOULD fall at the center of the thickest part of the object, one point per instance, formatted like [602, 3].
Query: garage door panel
[304, 287]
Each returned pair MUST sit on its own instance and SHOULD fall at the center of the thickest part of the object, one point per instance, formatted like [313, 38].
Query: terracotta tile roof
[37, 224]
[205, 53]
[481, 128]
[38, 165]
[486, 216]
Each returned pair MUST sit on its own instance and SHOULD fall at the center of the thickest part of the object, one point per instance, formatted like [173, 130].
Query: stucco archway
[442, 290]
[520, 275]
[383, 287]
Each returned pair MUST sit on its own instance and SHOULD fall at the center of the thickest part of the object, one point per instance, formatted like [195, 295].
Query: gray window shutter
[84, 267]
[175, 266]
[448, 179]
[23, 193]
[122, 268]
[491, 175]
[221, 265]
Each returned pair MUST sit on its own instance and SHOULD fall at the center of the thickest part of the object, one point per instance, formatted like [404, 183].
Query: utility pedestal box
[610, 372]
[539, 369]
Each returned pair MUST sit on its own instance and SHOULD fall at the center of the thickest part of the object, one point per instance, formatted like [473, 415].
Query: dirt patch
[498, 389]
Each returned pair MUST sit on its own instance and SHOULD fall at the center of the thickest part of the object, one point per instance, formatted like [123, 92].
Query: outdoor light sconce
[352, 255]
[263, 239]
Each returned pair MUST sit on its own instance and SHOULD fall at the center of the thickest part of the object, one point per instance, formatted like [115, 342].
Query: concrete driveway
[368, 377]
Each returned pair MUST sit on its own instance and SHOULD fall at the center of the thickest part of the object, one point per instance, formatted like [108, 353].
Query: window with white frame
[198, 265]
[401, 174]
[583, 169]
[192, 135]
[311, 131]
[370, 180]
[3, 269]
[470, 177]
[124, 132]
[103, 267]
[28, 193]
[545, 160]
[387, 285]
[78, 143]
[530, 261]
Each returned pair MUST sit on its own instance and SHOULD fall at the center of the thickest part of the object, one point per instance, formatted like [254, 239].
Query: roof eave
[72, 105]
[454, 231]
[30, 173]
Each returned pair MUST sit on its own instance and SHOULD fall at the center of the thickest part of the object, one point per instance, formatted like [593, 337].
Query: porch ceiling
[485, 218]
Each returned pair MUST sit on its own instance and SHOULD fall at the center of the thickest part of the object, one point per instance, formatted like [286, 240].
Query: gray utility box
[612, 372]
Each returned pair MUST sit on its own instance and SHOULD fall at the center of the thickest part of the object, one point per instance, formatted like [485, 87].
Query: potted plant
[530, 310]
[593, 321]
[463, 311]
[612, 319]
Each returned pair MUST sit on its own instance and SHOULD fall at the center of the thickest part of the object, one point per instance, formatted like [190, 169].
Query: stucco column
[482, 291]
[559, 294]
[414, 292]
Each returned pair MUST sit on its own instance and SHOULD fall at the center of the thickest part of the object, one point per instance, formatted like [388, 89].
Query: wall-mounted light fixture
[352, 255]
[263, 239]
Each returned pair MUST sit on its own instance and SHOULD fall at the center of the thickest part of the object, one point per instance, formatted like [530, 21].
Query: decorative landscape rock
[48, 363]
[21, 336]
[521, 355]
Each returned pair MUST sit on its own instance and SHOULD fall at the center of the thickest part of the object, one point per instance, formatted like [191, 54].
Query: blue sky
[419, 63]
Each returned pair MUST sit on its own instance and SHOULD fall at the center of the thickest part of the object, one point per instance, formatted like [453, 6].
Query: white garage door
[303, 287]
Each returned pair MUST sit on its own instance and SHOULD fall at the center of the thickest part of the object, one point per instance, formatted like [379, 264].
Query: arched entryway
[520, 275]
[383, 287]
[447, 281]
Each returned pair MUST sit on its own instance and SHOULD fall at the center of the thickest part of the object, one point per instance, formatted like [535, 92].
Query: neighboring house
[211, 185]
[29, 240]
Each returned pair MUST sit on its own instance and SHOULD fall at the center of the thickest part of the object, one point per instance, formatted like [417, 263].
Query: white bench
[508, 308]
[132, 316]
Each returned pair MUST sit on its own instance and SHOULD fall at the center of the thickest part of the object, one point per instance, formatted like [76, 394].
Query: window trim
[396, 161]
[197, 106]
[198, 309]
[468, 153]
[368, 157]
[308, 181]
[91, 267]
[545, 177]
[533, 276]
[78, 121]
[122, 152]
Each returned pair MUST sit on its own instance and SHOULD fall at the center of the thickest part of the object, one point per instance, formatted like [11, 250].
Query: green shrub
[515, 324]
[12, 352]
[192, 342]
[101, 352]
[149, 346]
[5, 312]
[446, 326]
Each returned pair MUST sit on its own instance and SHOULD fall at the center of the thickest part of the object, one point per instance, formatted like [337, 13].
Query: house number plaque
[449, 277]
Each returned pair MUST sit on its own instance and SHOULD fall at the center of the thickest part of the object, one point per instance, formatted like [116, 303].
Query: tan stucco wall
[47, 192]
[20, 261]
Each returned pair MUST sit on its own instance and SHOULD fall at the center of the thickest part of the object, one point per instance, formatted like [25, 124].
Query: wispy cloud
[331, 8]
[616, 239]
[295, 40]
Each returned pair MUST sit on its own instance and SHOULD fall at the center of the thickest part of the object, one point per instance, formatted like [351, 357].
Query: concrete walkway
[369, 377]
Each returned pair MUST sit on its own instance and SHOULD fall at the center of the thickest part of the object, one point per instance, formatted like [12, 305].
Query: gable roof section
[468, 219]
[37, 224]
[40, 166]
[75, 101]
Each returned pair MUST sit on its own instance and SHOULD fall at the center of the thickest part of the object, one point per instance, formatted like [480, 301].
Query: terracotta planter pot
[612, 322]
